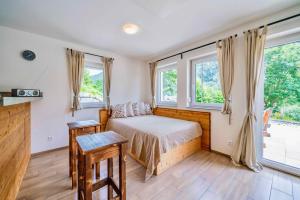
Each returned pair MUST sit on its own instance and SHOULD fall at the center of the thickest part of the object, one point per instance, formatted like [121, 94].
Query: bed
[161, 140]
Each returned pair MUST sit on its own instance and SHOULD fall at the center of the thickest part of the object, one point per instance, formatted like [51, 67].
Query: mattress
[154, 135]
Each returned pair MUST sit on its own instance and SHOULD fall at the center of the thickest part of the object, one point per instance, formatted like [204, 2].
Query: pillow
[142, 108]
[129, 110]
[148, 110]
[118, 111]
[135, 108]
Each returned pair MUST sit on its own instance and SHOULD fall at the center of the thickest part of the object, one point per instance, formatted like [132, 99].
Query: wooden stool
[97, 147]
[75, 129]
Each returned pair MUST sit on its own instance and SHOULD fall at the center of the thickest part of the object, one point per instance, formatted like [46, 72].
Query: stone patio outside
[283, 145]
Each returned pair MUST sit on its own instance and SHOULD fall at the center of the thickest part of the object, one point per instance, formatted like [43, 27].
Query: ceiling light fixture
[130, 28]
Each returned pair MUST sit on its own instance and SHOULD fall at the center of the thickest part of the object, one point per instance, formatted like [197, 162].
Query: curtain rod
[278, 21]
[282, 20]
[183, 52]
[92, 54]
[199, 47]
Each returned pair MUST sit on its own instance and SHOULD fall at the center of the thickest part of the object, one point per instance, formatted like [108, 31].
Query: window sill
[92, 105]
[197, 107]
[170, 105]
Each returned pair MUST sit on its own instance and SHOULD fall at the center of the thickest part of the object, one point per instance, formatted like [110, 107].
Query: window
[167, 85]
[91, 91]
[205, 88]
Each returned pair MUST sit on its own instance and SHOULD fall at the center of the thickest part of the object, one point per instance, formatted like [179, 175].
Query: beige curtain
[108, 63]
[225, 53]
[244, 150]
[76, 68]
[153, 67]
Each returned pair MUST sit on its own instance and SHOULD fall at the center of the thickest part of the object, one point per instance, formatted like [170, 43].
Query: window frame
[161, 69]
[101, 104]
[193, 103]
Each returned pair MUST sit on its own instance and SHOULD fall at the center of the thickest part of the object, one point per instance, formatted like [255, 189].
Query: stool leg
[122, 171]
[73, 164]
[70, 153]
[88, 183]
[110, 170]
[97, 166]
[80, 172]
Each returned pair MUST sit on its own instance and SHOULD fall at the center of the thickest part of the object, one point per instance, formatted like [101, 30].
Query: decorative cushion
[118, 111]
[129, 110]
[135, 108]
[148, 110]
[142, 108]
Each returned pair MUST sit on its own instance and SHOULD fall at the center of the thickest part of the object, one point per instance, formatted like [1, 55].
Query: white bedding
[156, 134]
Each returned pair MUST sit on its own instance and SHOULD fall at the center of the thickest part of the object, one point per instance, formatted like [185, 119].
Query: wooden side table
[97, 147]
[75, 129]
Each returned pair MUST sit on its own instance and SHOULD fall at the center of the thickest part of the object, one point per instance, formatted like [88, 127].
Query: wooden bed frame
[181, 152]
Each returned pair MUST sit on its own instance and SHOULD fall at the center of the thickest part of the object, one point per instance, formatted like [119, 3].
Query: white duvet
[155, 135]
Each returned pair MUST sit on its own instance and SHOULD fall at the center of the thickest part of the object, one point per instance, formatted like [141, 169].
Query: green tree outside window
[282, 81]
[92, 85]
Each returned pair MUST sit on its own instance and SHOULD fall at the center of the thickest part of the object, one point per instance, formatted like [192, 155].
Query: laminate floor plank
[278, 195]
[202, 176]
[282, 183]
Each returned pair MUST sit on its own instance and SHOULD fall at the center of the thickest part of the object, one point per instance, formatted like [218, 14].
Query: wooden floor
[204, 175]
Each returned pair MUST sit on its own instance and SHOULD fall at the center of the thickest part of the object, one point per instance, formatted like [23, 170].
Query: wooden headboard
[103, 118]
[203, 118]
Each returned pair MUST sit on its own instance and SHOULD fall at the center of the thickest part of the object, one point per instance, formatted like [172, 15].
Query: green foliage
[293, 113]
[282, 81]
[290, 113]
[207, 83]
[91, 86]
[169, 83]
[208, 94]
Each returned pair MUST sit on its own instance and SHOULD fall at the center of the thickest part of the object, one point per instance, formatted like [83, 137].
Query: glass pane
[208, 88]
[92, 86]
[169, 85]
[281, 119]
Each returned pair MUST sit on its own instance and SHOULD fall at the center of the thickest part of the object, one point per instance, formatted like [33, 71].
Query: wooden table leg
[122, 171]
[70, 153]
[88, 184]
[97, 165]
[98, 129]
[74, 160]
[110, 170]
[80, 173]
[97, 169]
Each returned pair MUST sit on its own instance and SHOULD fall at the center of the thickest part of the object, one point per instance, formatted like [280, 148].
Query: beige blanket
[150, 136]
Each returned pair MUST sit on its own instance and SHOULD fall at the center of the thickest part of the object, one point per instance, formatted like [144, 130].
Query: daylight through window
[206, 90]
[91, 92]
[167, 85]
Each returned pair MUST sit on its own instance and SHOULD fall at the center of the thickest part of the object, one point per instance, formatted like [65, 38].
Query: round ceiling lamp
[130, 29]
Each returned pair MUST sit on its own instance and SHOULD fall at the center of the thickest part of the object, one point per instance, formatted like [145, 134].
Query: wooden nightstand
[75, 129]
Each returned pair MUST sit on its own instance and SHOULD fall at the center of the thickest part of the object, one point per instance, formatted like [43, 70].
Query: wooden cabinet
[15, 148]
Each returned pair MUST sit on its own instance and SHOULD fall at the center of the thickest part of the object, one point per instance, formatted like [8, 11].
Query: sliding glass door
[280, 120]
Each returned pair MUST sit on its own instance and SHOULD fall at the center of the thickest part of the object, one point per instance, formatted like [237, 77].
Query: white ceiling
[165, 24]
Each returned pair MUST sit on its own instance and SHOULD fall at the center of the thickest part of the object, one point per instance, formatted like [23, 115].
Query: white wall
[49, 73]
[223, 133]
